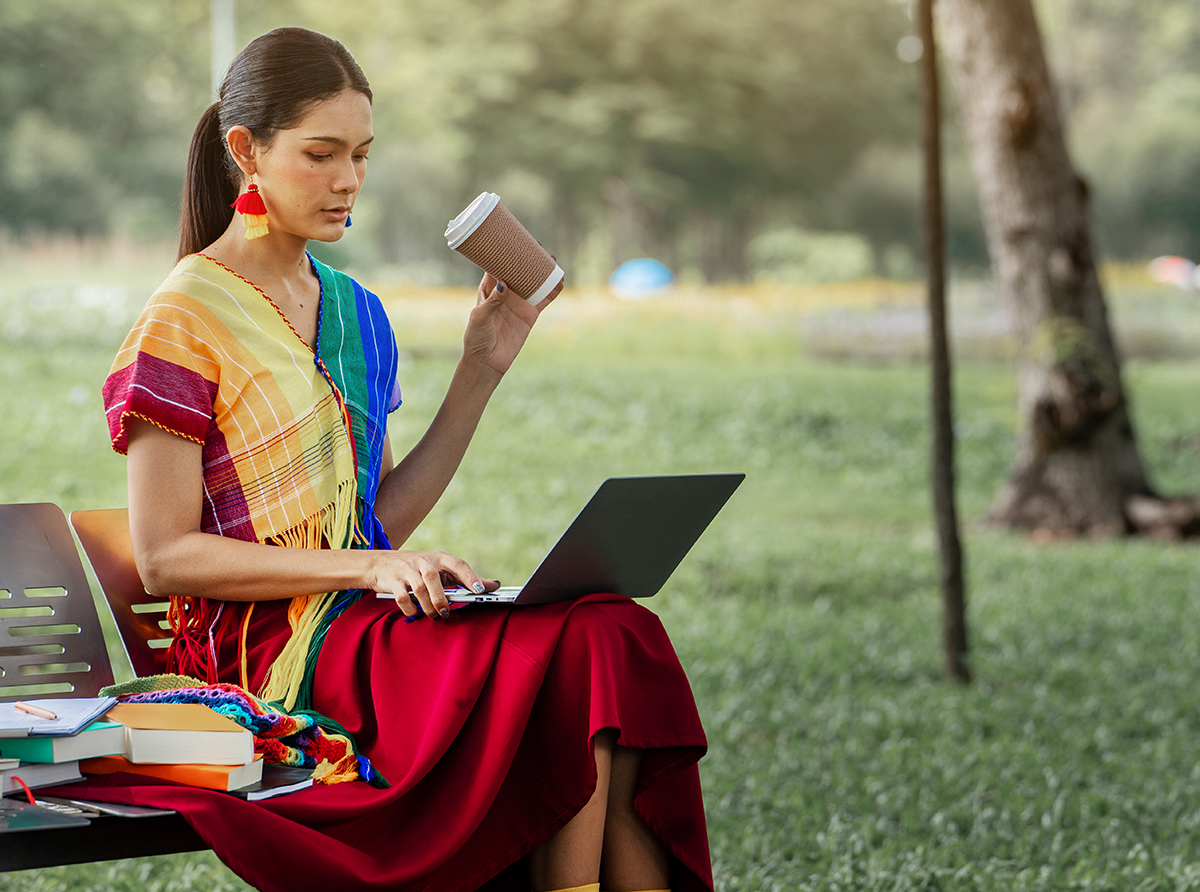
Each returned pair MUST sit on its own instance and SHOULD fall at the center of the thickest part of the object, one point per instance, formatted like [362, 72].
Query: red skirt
[483, 724]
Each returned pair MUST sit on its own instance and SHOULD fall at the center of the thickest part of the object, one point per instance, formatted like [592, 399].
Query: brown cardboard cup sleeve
[488, 235]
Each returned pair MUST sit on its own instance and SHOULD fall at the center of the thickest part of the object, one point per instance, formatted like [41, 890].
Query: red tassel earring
[254, 212]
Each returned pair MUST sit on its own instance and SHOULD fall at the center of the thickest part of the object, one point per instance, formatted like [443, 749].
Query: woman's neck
[278, 266]
[275, 257]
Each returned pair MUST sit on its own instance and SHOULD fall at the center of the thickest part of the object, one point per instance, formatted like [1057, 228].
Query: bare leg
[571, 857]
[633, 858]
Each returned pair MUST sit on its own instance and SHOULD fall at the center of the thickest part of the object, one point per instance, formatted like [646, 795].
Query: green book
[97, 739]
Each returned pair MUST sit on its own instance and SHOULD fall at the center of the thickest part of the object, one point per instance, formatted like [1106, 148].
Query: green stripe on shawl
[342, 350]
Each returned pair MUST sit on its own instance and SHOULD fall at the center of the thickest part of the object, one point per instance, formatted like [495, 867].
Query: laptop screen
[630, 537]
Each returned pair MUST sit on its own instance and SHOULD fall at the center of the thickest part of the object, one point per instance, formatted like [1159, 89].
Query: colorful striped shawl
[292, 439]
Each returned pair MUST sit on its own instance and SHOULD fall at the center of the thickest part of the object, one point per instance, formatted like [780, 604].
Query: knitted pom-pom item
[254, 212]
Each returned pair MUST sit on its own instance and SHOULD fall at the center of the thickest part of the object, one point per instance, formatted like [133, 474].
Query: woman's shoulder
[199, 282]
[198, 274]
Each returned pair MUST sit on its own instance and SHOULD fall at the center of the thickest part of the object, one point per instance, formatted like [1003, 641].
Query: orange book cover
[211, 777]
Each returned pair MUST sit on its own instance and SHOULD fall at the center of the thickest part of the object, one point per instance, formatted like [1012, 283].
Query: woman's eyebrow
[338, 141]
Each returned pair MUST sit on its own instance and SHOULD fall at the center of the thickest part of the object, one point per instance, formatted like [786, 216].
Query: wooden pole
[954, 620]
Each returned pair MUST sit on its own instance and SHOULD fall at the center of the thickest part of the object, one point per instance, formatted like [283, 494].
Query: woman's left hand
[499, 324]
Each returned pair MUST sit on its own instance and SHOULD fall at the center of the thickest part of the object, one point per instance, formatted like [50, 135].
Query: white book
[38, 774]
[181, 733]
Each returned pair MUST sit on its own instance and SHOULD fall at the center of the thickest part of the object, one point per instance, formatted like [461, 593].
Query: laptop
[627, 540]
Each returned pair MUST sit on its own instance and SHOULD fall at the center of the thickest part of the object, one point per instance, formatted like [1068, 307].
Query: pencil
[34, 710]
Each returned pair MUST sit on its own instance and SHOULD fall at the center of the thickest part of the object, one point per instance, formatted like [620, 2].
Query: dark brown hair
[270, 86]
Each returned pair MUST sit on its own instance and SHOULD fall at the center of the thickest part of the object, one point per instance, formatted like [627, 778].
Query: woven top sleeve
[167, 373]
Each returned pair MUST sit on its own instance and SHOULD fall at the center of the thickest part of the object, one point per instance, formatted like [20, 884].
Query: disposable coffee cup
[488, 235]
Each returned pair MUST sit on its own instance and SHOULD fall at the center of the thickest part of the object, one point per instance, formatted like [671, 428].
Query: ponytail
[208, 189]
[270, 86]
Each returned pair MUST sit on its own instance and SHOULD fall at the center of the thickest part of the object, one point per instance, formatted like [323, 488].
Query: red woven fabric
[482, 723]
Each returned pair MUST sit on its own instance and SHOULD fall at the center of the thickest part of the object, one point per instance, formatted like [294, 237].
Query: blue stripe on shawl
[357, 346]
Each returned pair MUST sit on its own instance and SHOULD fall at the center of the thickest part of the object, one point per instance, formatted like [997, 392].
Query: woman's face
[310, 175]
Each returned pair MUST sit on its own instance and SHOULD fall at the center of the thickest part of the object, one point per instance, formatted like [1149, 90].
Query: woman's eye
[317, 157]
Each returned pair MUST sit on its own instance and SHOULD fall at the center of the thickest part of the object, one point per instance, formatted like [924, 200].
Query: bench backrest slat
[51, 641]
[141, 617]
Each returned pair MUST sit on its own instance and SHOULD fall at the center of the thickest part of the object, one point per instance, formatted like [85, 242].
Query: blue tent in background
[641, 278]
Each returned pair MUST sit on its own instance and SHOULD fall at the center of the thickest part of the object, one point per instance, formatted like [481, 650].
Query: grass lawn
[807, 616]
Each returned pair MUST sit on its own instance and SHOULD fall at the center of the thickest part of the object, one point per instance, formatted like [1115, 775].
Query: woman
[542, 748]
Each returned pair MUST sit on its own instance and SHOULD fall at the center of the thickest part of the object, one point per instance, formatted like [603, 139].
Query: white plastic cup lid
[462, 226]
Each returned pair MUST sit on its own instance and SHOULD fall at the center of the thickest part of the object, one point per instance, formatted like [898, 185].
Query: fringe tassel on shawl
[337, 525]
[197, 622]
[243, 668]
[194, 623]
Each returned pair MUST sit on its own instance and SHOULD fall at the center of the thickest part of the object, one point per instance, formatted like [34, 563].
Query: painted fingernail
[444, 613]
[500, 287]
[478, 588]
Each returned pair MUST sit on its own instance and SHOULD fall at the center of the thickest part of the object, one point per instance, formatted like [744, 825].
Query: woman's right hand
[500, 323]
[417, 579]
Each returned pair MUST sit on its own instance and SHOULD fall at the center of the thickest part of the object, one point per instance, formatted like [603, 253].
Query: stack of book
[184, 743]
[42, 741]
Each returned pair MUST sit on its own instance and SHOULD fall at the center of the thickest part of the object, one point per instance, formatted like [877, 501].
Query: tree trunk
[1077, 465]
[950, 555]
[622, 219]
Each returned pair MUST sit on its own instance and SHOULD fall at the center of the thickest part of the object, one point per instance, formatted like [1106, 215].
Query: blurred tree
[675, 117]
[91, 108]
[879, 198]
[680, 128]
[1136, 62]
[1078, 468]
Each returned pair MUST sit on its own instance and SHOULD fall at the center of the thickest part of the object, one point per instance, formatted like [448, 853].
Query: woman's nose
[348, 179]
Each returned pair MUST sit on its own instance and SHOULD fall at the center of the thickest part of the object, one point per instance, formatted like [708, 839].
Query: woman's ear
[240, 142]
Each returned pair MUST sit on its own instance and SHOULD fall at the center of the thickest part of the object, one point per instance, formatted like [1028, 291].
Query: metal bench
[52, 644]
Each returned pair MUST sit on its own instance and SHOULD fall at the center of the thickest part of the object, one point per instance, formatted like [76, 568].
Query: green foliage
[1132, 104]
[96, 114]
[684, 90]
[695, 112]
[789, 254]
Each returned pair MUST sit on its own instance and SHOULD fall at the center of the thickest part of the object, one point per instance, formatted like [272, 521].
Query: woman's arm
[175, 558]
[497, 330]
[408, 492]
